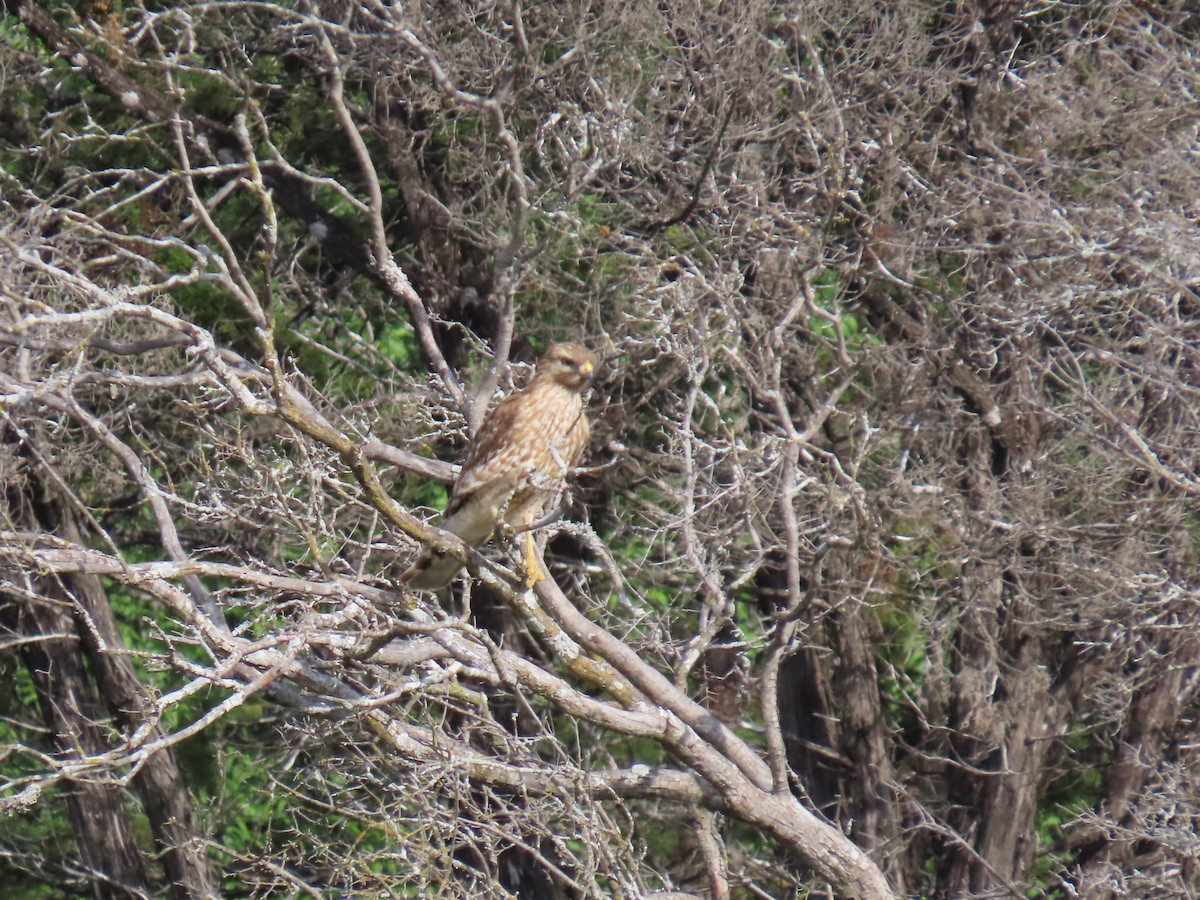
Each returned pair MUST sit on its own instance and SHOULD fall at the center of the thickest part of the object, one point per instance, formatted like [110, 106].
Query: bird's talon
[533, 568]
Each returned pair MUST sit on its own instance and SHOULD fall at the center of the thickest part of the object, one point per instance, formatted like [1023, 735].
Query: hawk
[524, 450]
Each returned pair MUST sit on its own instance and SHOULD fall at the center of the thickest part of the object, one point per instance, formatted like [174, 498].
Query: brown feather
[518, 460]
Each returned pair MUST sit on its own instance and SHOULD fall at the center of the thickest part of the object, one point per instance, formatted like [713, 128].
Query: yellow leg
[533, 568]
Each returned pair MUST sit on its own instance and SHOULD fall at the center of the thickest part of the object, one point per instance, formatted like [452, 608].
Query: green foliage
[1074, 790]
[245, 811]
[829, 295]
[903, 655]
[759, 136]
[662, 842]
[212, 307]
[42, 835]
[210, 96]
[399, 345]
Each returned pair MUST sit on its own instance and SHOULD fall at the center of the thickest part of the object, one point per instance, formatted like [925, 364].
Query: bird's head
[570, 365]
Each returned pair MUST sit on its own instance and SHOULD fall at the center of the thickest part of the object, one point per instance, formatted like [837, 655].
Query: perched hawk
[525, 448]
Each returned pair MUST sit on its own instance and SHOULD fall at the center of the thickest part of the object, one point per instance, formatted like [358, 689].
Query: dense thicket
[880, 577]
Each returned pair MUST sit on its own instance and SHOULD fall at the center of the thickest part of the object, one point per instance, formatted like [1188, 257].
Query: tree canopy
[879, 575]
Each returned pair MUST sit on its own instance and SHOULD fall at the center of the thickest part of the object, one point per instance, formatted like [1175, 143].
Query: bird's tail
[432, 571]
